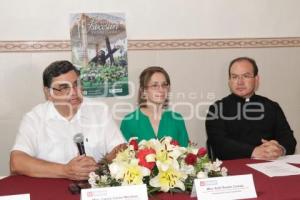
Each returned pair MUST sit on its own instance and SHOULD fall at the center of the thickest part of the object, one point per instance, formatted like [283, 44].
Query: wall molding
[170, 44]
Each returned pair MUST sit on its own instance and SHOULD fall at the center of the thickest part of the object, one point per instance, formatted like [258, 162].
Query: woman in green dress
[152, 119]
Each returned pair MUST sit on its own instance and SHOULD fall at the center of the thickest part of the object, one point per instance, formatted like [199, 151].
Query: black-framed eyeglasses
[65, 88]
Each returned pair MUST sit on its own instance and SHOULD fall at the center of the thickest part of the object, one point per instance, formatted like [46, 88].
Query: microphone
[78, 139]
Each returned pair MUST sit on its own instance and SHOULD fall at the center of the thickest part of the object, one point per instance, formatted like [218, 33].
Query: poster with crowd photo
[99, 50]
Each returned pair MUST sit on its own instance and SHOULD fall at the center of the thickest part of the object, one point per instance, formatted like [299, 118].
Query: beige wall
[199, 76]
[156, 19]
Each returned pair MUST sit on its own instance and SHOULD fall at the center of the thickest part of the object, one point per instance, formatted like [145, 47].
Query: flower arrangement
[160, 164]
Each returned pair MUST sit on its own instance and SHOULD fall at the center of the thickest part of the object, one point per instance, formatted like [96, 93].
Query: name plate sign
[132, 192]
[224, 188]
[16, 197]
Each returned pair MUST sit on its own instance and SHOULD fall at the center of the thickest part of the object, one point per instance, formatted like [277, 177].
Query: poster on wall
[99, 50]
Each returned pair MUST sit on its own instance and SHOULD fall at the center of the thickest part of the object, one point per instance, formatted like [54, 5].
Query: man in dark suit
[244, 124]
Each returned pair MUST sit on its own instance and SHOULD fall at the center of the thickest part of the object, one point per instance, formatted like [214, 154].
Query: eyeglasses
[65, 88]
[156, 86]
[246, 76]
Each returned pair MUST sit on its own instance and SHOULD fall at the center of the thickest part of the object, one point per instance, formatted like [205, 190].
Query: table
[267, 188]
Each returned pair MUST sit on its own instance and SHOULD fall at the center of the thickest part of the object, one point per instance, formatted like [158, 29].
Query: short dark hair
[145, 78]
[250, 60]
[56, 69]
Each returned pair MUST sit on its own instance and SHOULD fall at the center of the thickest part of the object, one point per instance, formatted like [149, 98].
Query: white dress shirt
[47, 135]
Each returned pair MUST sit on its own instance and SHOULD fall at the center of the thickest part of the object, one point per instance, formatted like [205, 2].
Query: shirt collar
[52, 113]
[242, 99]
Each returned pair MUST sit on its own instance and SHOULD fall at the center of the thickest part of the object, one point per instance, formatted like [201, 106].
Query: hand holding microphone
[79, 167]
[79, 141]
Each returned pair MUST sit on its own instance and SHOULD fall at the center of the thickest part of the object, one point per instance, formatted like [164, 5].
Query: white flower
[171, 170]
[218, 163]
[103, 178]
[214, 166]
[165, 159]
[168, 179]
[134, 173]
[133, 138]
[126, 155]
[117, 170]
[93, 177]
[150, 157]
[192, 150]
[167, 154]
[224, 171]
[129, 173]
[187, 169]
[152, 143]
[202, 175]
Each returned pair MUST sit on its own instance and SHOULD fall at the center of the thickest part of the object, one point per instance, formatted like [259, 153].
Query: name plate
[132, 192]
[224, 188]
[16, 197]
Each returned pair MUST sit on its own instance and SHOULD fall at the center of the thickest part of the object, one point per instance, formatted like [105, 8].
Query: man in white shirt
[44, 145]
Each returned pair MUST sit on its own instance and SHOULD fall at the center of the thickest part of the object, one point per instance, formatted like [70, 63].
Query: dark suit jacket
[235, 126]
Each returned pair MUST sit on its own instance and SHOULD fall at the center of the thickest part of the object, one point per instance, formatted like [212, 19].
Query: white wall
[155, 19]
[195, 74]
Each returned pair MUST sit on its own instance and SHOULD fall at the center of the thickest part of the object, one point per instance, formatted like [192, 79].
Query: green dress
[137, 124]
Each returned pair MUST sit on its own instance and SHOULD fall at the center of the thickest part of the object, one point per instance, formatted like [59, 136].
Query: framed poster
[99, 50]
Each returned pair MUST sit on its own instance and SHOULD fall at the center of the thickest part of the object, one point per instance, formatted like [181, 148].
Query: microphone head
[78, 138]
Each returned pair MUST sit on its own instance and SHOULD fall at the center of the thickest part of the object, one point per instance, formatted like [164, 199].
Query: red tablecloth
[281, 188]
[267, 188]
